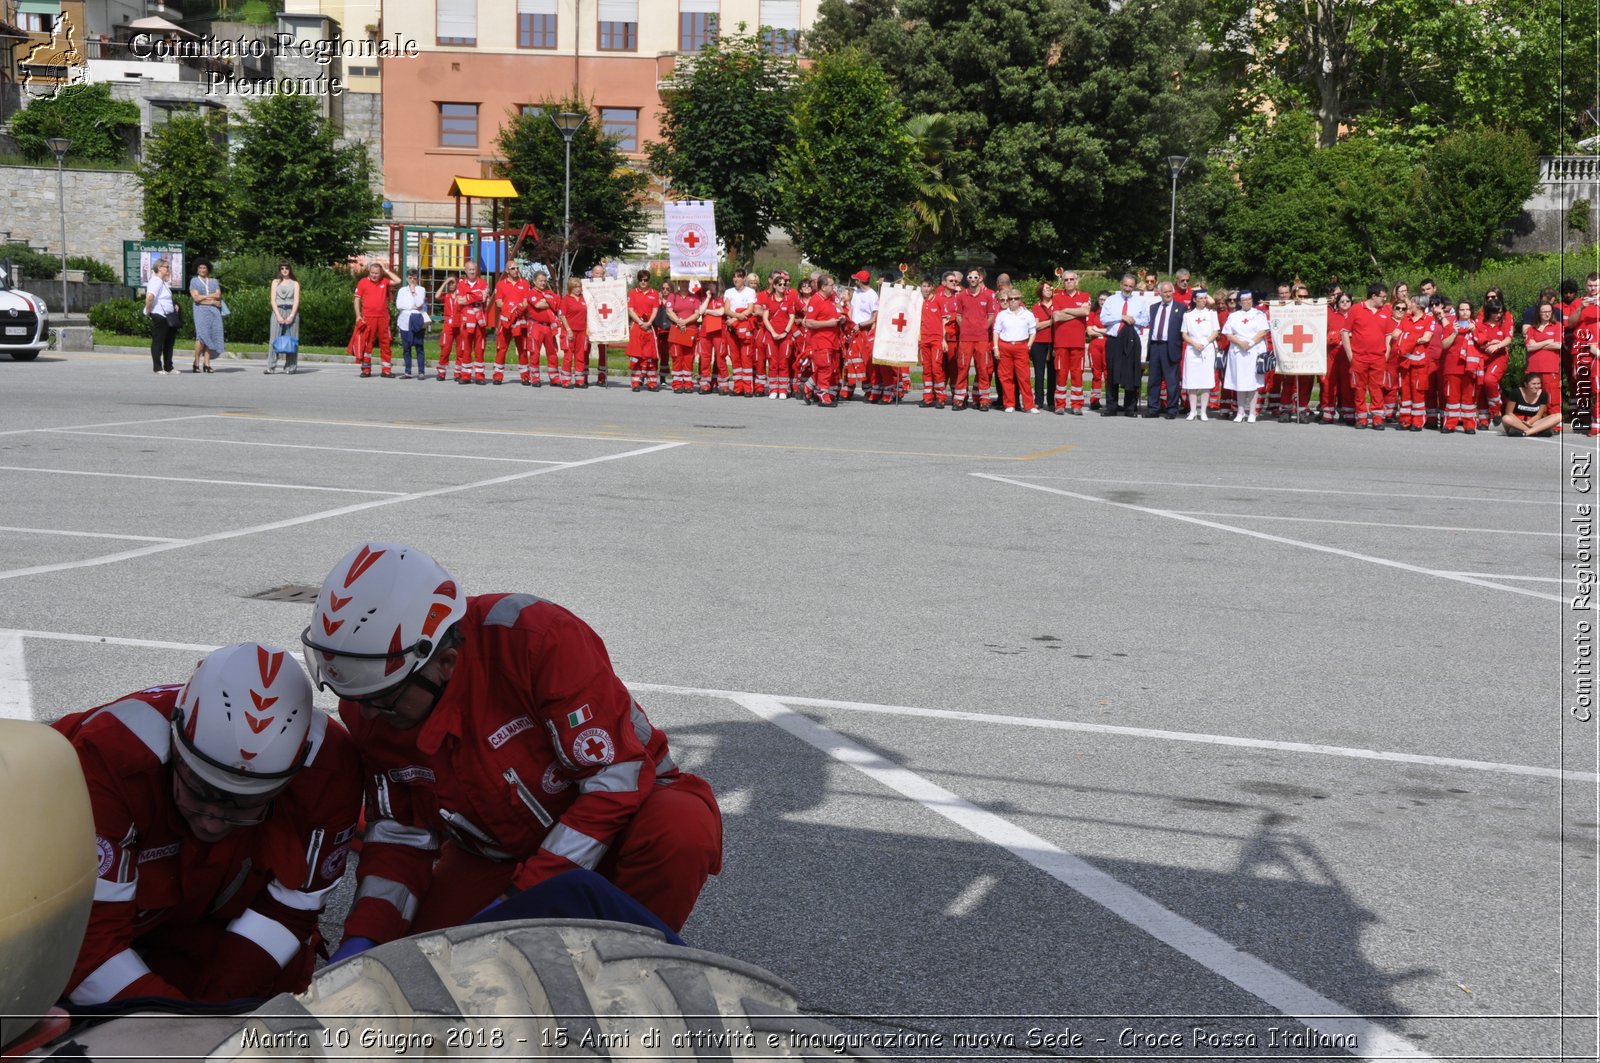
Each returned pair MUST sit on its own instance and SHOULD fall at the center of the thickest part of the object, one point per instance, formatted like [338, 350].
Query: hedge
[326, 317]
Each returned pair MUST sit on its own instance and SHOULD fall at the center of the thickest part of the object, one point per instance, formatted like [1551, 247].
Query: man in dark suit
[1166, 355]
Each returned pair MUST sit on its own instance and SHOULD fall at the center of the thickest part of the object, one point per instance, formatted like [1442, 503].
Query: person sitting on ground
[501, 753]
[1528, 410]
[223, 810]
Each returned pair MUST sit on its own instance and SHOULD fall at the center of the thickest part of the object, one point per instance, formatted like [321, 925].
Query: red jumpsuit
[1071, 336]
[1463, 368]
[643, 355]
[1547, 363]
[447, 338]
[825, 348]
[473, 297]
[741, 335]
[543, 305]
[1369, 367]
[374, 296]
[1416, 337]
[177, 917]
[511, 316]
[711, 349]
[536, 760]
[1097, 363]
[778, 333]
[930, 347]
[975, 313]
[575, 358]
[1335, 398]
[1494, 362]
[1583, 324]
[681, 340]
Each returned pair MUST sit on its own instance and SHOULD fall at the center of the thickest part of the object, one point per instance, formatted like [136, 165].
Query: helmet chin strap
[435, 689]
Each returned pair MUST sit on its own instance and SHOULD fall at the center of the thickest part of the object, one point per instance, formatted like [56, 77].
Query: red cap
[861, 275]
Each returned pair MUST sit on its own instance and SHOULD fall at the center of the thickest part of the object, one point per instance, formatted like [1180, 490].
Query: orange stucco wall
[416, 168]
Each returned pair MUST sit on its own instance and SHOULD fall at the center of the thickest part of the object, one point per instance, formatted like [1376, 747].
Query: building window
[457, 23]
[697, 24]
[619, 25]
[362, 71]
[621, 124]
[29, 22]
[536, 23]
[780, 26]
[458, 125]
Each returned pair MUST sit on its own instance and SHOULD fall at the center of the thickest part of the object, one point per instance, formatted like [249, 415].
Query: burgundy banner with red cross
[608, 310]
[894, 340]
[1300, 336]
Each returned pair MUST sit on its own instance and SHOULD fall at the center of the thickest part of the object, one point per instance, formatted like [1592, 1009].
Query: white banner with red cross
[692, 239]
[608, 309]
[894, 340]
[1300, 336]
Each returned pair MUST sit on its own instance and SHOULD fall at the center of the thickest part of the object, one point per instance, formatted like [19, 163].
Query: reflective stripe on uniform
[146, 723]
[300, 900]
[666, 766]
[574, 845]
[617, 779]
[641, 725]
[114, 892]
[277, 940]
[378, 888]
[110, 978]
[384, 808]
[504, 613]
[388, 832]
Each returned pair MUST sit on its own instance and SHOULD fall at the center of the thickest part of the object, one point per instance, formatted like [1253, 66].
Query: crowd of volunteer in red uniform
[1408, 360]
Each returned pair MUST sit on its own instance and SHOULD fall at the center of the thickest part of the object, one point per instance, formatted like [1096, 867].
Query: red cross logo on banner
[604, 312]
[1297, 338]
[899, 322]
[691, 236]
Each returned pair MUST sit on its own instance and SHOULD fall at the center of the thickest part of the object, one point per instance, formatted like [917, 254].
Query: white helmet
[243, 719]
[378, 618]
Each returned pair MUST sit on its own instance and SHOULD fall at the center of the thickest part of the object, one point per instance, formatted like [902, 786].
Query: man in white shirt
[1166, 354]
[411, 304]
[1123, 315]
[1014, 327]
[738, 304]
[863, 319]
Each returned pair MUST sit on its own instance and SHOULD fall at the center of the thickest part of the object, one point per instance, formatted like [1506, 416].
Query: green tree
[847, 177]
[939, 194]
[1481, 178]
[842, 24]
[607, 194]
[1062, 113]
[187, 183]
[727, 111]
[97, 125]
[298, 193]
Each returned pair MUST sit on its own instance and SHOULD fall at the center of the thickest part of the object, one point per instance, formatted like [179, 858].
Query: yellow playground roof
[482, 188]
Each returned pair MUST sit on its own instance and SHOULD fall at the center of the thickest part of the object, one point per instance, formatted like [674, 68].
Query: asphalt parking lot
[1184, 740]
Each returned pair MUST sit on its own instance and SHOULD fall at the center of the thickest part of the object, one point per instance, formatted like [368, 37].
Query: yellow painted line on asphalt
[430, 426]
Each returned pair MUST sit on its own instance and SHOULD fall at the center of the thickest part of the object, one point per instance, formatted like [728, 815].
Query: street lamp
[1175, 163]
[59, 145]
[568, 122]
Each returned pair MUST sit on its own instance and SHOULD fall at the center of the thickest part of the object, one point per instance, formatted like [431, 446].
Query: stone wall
[362, 121]
[1563, 181]
[104, 208]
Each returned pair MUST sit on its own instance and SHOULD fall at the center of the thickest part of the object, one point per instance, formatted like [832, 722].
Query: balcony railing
[1569, 169]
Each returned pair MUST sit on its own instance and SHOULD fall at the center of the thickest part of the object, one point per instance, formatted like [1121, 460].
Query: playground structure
[440, 251]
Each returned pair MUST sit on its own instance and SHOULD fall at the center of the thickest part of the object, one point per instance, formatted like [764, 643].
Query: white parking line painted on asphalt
[90, 535]
[309, 446]
[1497, 575]
[1317, 547]
[1306, 490]
[404, 427]
[1251, 974]
[193, 480]
[1371, 523]
[326, 514]
[108, 424]
[16, 695]
[969, 899]
[990, 719]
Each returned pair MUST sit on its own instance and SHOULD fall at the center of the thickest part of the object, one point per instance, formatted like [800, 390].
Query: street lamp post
[568, 122]
[59, 145]
[1175, 163]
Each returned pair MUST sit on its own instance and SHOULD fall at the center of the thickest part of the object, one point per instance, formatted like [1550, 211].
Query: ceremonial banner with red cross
[608, 309]
[692, 239]
[894, 341]
[1300, 336]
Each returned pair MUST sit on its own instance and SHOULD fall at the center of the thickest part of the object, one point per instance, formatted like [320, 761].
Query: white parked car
[24, 321]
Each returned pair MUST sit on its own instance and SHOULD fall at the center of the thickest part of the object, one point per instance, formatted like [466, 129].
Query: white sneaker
[1034, 410]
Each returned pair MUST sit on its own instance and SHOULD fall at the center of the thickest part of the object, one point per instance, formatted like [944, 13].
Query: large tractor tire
[528, 989]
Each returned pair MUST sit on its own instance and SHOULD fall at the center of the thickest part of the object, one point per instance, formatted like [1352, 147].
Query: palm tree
[936, 209]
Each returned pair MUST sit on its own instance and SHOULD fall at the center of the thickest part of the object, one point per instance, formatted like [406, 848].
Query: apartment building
[481, 61]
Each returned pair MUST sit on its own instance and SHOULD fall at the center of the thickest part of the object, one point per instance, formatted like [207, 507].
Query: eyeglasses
[195, 797]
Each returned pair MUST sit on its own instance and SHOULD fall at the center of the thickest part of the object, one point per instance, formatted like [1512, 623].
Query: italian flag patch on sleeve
[578, 717]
